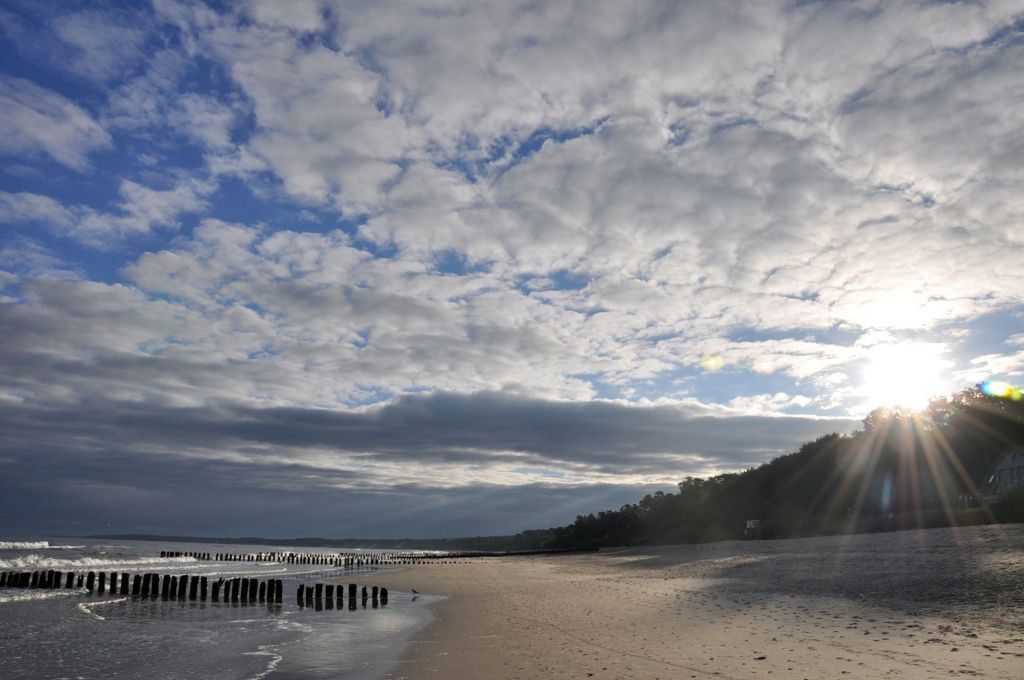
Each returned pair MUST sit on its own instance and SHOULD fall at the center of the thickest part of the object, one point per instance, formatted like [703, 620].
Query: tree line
[902, 469]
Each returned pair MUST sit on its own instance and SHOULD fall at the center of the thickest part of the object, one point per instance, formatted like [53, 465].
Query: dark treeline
[902, 470]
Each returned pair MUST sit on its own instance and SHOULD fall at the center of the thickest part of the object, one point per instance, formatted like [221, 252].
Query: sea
[76, 635]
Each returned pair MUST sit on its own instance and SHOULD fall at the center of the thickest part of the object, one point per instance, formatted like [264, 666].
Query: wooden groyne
[343, 560]
[356, 560]
[240, 589]
[151, 585]
[322, 596]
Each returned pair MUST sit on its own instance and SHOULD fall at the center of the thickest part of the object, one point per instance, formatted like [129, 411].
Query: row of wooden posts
[238, 589]
[151, 585]
[338, 560]
[318, 595]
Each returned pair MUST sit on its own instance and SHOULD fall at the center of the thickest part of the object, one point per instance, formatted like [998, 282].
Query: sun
[906, 375]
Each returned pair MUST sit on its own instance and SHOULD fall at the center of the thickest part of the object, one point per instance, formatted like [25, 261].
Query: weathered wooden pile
[197, 555]
[247, 590]
[321, 595]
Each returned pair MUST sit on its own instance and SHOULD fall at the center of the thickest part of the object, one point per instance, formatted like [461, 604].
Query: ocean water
[70, 633]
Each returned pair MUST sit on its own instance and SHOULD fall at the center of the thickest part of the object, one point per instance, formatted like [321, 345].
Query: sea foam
[13, 596]
[34, 561]
[35, 545]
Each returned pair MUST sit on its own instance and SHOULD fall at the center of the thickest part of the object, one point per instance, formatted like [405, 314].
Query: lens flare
[1001, 389]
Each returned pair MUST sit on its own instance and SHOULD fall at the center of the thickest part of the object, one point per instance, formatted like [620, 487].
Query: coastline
[904, 604]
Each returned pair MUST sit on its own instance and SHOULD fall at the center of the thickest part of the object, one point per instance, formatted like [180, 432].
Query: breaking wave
[33, 561]
[35, 545]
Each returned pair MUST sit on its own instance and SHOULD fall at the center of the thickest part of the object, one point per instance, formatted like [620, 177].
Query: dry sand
[938, 603]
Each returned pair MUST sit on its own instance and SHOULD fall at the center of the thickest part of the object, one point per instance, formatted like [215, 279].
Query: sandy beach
[915, 604]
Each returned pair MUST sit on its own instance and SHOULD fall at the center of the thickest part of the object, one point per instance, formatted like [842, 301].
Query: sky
[354, 269]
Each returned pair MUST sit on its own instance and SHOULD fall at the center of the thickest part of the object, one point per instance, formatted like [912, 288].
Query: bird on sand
[415, 592]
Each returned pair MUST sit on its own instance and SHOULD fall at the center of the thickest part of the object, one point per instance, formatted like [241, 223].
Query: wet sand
[938, 603]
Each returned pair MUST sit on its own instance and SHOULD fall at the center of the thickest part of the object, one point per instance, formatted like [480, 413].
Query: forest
[901, 470]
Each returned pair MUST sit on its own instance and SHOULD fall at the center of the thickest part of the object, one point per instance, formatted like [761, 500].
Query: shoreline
[902, 604]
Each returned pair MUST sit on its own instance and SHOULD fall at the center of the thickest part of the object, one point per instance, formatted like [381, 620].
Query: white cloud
[301, 15]
[204, 120]
[104, 44]
[40, 121]
[993, 367]
[27, 207]
[140, 210]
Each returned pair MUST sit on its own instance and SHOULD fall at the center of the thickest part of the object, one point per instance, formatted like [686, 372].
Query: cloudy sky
[448, 268]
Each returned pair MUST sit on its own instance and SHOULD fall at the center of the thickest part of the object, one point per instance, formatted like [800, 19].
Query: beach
[911, 604]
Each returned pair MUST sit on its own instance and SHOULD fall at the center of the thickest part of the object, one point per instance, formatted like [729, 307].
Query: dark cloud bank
[229, 468]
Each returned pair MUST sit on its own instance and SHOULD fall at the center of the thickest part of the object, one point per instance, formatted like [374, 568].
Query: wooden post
[182, 586]
[165, 586]
[375, 592]
[279, 590]
[193, 588]
[172, 589]
[298, 596]
[352, 591]
[113, 582]
[35, 580]
[329, 592]
[383, 596]
[103, 583]
[319, 591]
[202, 588]
[124, 583]
[215, 591]
[235, 587]
[136, 584]
[263, 592]
[253, 585]
[90, 582]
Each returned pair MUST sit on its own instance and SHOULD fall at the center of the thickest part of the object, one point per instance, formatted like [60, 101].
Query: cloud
[29, 259]
[38, 121]
[102, 44]
[140, 210]
[442, 440]
[27, 207]
[994, 366]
